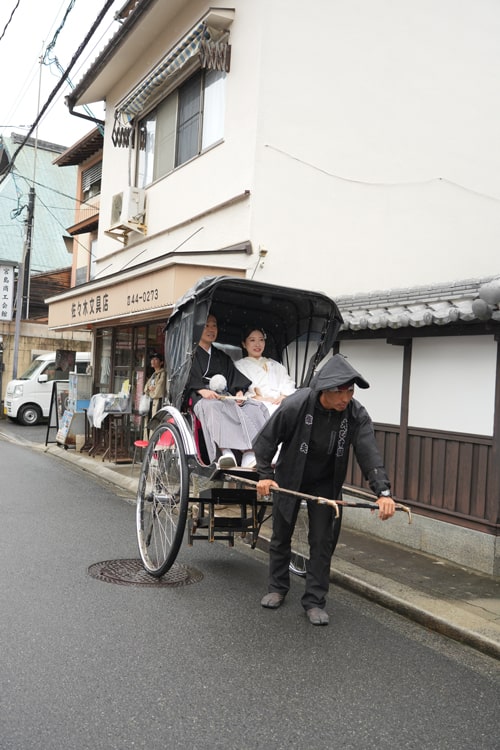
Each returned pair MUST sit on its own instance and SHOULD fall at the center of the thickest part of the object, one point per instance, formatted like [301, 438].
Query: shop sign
[7, 291]
[82, 308]
[136, 295]
[127, 298]
[151, 291]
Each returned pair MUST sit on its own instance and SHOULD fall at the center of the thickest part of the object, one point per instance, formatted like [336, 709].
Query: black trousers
[324, 530]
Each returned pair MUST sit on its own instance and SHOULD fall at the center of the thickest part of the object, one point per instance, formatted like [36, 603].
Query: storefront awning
[178, 57]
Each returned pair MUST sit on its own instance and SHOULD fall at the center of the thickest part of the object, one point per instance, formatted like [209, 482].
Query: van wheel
[29, 414]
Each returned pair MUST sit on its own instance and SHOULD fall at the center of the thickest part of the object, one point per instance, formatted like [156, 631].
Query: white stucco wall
[382, 366]
[378, 161]
[365, 132]
[215, 177]
[453, 384]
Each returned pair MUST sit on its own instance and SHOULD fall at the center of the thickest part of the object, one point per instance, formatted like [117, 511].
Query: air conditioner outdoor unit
[127, 208]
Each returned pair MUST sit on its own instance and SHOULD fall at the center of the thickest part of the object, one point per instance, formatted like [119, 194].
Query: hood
[337, 371]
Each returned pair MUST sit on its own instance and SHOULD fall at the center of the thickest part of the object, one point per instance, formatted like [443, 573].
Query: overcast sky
[26, 84]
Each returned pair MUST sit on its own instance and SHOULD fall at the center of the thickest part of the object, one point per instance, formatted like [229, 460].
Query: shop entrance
[122, 362]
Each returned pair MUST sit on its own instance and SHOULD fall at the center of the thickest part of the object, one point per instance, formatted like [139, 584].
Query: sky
[27, 29]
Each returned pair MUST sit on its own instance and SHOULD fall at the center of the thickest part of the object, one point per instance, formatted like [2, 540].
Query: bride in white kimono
[271, 382]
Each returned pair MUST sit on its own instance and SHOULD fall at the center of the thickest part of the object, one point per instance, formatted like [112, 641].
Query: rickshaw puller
[316, 426]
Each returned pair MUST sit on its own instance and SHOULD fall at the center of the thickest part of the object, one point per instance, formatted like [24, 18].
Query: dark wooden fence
[450, 476]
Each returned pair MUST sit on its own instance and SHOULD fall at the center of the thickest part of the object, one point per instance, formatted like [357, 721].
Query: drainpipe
[69, 104]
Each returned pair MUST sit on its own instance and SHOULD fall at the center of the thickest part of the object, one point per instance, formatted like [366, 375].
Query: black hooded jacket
[292, 424]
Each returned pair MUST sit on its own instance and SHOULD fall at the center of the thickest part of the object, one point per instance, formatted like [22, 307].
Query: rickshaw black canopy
[300, 325]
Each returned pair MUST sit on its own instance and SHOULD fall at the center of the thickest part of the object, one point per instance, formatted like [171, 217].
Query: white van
[27, 399]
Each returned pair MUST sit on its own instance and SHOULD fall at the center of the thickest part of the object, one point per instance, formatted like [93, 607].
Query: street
[88, 664]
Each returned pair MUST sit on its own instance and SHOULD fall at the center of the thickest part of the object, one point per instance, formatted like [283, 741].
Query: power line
[381, 184]
[54, 60]
[35, 69]
[47, 208]
[56, 218]
[52, 44]
[59, 85]
[10, 19]
[52, 189]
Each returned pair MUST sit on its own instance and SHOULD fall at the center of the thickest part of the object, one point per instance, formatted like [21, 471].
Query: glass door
[122, 372]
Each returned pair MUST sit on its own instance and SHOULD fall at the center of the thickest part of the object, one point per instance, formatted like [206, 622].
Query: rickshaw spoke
[162, 500]
[300, 546]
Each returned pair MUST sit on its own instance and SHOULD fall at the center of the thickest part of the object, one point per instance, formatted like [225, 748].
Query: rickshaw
[178, 486]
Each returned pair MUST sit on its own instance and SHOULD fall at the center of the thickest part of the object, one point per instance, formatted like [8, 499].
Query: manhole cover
[131, 572]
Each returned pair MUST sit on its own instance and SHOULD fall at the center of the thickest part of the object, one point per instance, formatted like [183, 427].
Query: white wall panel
[453, 384]
[391, 162]
[382, 366]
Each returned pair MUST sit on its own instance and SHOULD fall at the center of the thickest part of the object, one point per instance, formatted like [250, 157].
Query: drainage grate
[132, 572]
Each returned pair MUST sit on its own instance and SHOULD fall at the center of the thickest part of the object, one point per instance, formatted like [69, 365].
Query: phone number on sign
[148, 296]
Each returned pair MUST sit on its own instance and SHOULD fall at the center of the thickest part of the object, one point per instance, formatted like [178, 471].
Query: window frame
[146, 171]
[91, 181]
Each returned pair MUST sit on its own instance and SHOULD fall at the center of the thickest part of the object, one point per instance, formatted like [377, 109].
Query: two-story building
[346, 147]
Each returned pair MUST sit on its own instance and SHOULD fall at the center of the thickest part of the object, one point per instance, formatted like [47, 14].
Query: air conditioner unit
[127, 208]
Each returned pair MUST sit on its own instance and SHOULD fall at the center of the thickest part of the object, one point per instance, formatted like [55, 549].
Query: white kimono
[269, 379]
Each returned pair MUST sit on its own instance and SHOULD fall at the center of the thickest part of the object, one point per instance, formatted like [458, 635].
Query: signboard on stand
[63, 433]
[59, 406]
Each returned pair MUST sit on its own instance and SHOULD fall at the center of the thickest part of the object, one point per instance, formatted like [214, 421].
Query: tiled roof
[86, 147]
[443, 304]
[55, 191]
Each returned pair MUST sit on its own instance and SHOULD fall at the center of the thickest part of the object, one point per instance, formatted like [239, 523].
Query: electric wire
[16, 212]
[10, 19]
[58, 221]
[375, 183]
[4, 173]
[34, 71]
[50, 61]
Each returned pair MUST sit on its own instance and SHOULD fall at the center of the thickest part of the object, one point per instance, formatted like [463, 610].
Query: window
[188, 121]
[91, 181]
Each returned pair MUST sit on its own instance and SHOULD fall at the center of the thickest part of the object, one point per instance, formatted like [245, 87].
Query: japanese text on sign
[90, 306]
[7, 292]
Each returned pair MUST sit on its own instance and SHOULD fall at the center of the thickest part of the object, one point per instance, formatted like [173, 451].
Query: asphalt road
[88, 664]
[27, 433]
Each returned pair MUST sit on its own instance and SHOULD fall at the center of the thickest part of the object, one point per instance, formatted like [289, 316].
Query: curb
[424, 617]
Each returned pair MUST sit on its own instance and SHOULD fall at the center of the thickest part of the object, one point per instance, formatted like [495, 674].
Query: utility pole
[27, 254]
[23, 280]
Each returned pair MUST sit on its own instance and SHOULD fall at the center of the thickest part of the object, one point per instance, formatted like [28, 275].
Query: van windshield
[34, 366]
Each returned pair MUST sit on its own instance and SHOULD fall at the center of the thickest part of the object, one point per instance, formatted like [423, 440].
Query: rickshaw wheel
[300, 545]
[162, 500]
